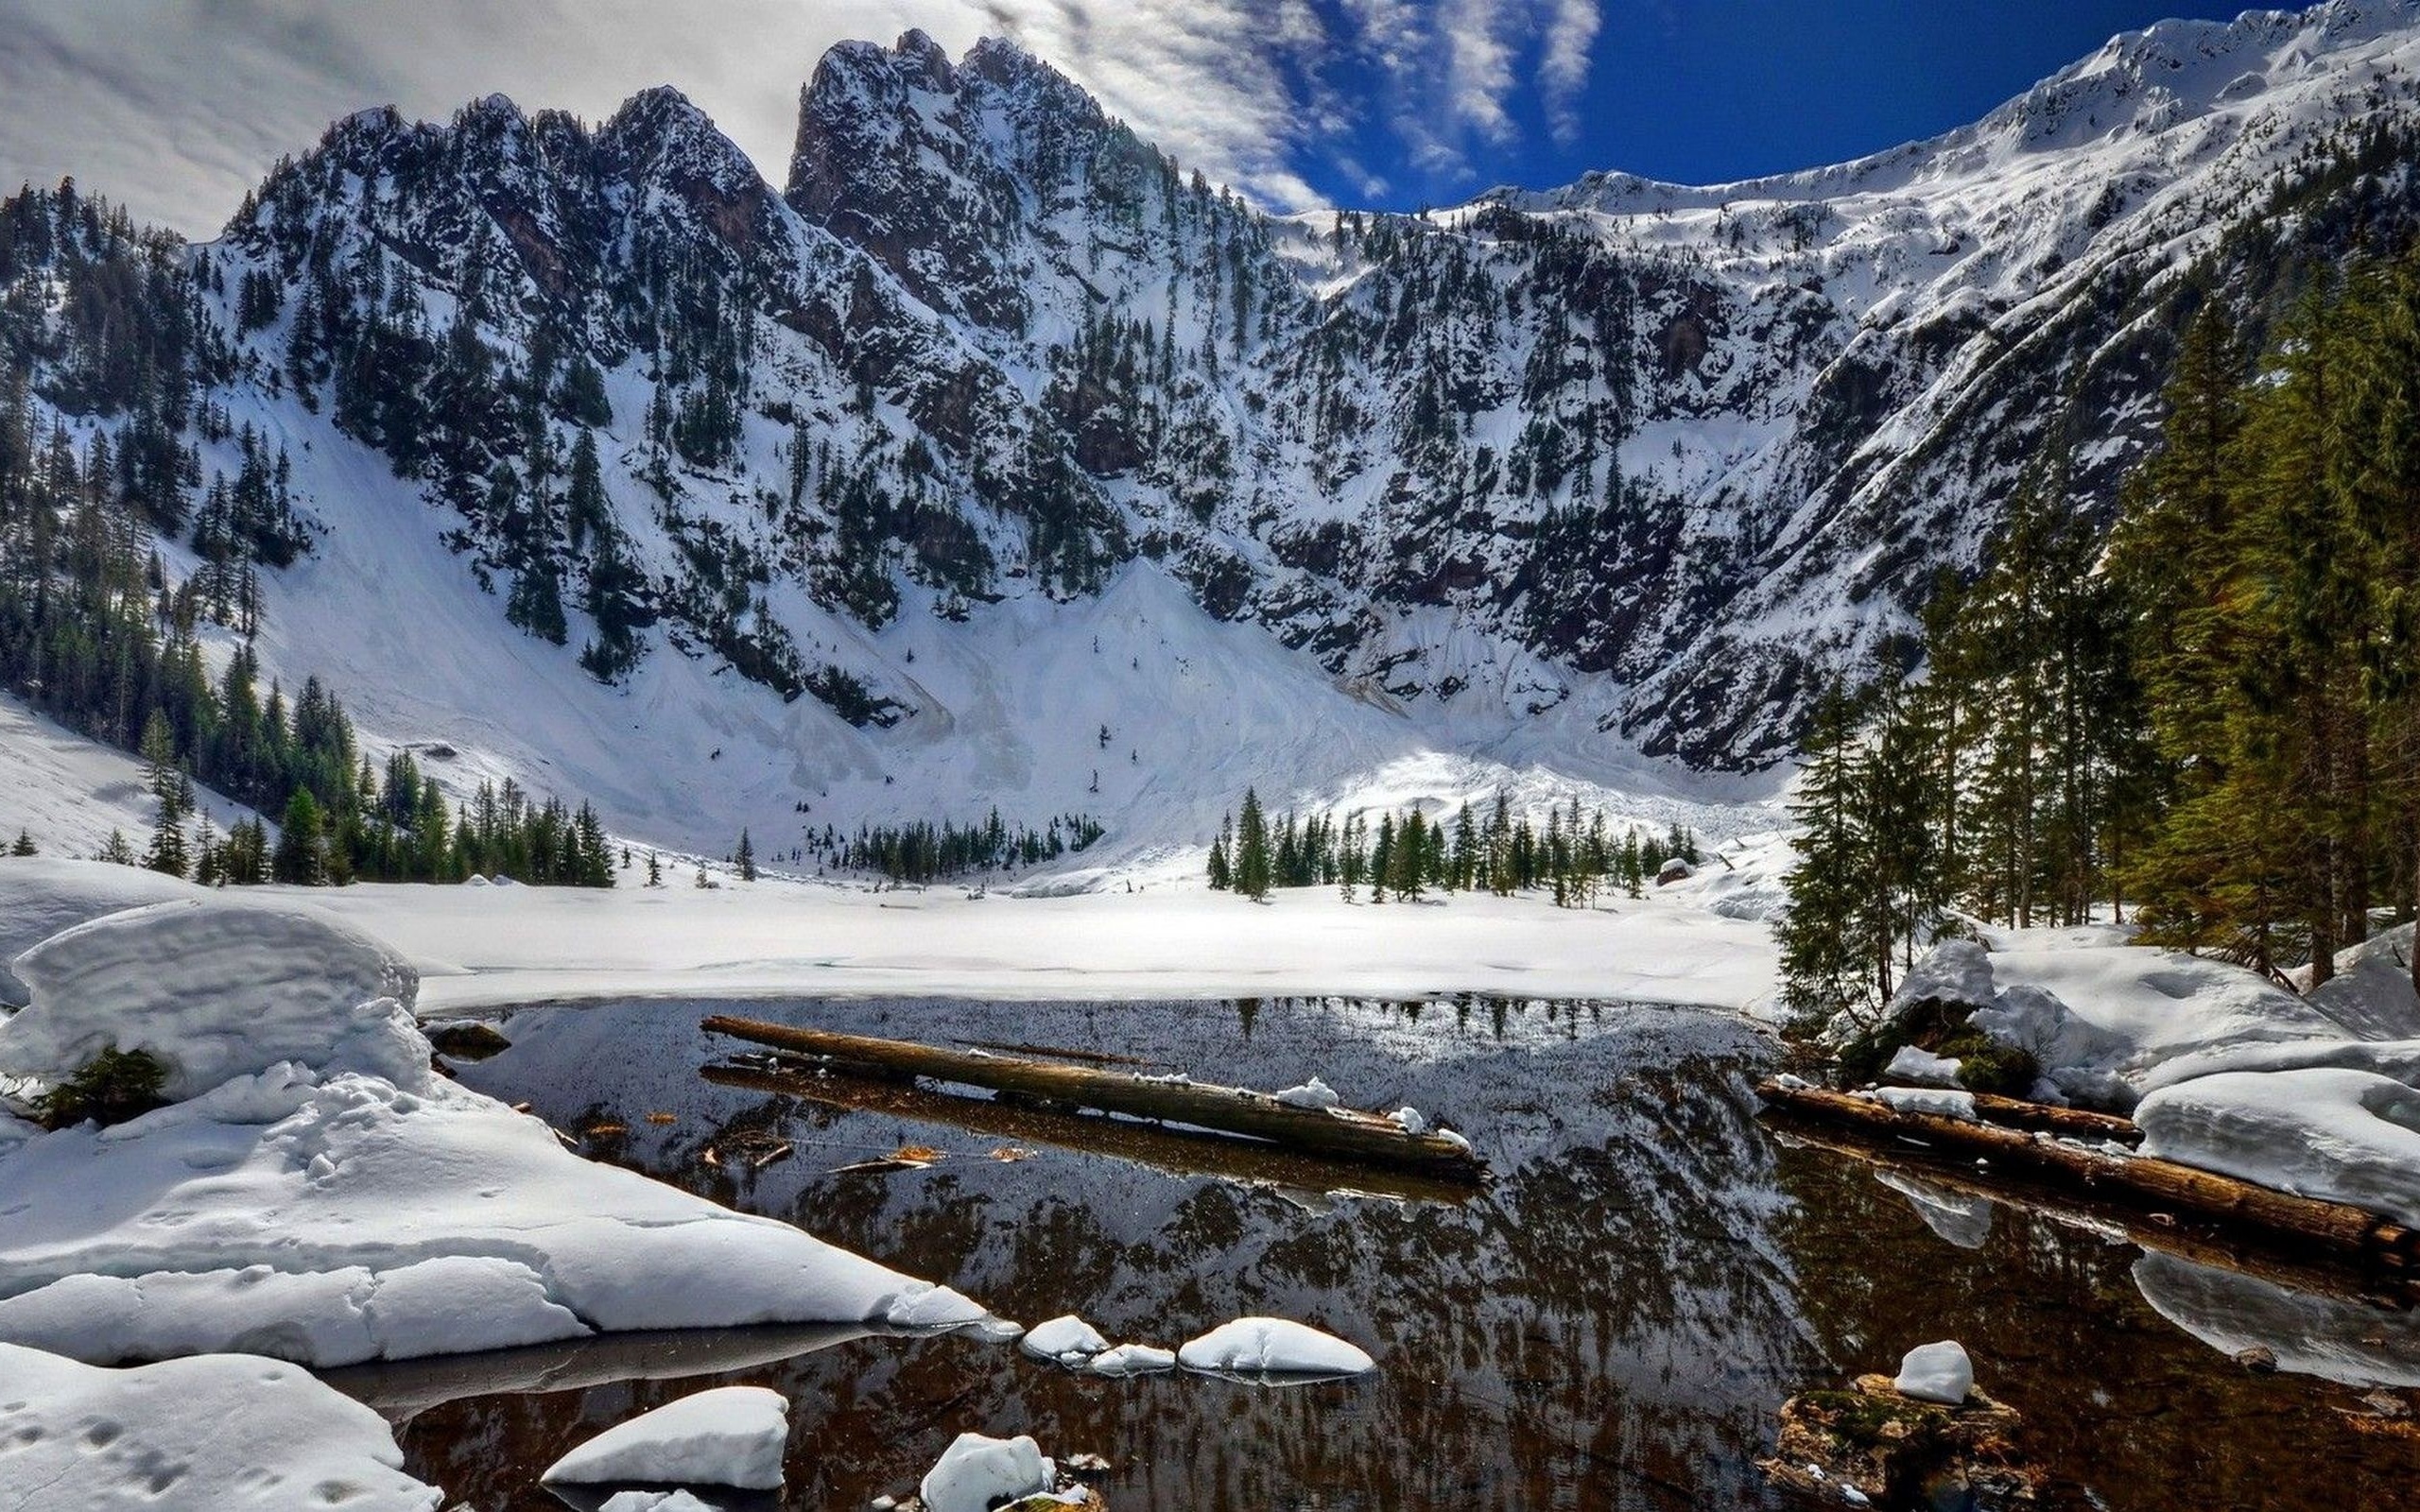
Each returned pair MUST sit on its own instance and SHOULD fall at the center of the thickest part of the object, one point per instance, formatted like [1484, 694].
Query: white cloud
[177, 107]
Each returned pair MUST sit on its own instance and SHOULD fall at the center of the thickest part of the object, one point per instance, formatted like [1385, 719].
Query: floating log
[1236, 1110]
[2338, 1228]
[1174, 1151]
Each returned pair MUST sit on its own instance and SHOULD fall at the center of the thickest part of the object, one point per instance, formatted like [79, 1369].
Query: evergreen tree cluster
[1407, 854]
[924, 851]
[2213, 716]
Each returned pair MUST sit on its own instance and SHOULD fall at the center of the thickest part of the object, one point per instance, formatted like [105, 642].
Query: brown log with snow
[1235, 1109]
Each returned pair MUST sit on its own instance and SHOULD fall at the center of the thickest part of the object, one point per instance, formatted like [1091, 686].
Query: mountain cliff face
[1651, 459]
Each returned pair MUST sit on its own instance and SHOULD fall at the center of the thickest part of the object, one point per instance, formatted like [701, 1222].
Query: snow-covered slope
[994, 460]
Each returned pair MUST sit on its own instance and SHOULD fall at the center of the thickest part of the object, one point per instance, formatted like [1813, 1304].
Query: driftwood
[1175, 1151]
[2335, 1227]
[1236, 1110]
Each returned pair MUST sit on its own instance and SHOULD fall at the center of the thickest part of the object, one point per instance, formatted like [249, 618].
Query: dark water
[1612, 1324]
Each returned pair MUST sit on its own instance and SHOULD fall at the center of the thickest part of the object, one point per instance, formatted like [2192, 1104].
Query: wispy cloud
[178, 106]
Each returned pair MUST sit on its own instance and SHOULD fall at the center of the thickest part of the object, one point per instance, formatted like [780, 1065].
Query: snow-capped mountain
[996, 457]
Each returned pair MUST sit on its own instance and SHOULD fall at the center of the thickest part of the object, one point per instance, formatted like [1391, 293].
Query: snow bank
[1274, 1347]
[2369, 996]
[223, 1433]
[1956, 971]
[732, 1436]
[976, 1474]
[2343, 1135]
[217, 987]
[330, 1220]
[1936, 1372]
[40, 896]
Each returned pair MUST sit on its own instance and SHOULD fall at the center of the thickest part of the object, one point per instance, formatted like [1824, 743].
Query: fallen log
[2074, 1122]
[1174, 1151]
[2335, 1227]
[1235, 1109]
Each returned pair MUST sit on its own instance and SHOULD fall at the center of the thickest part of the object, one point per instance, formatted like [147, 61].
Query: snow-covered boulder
[732, 1436]
[1068, 1340]
[1274, 1347]
[330, 1220]
[1956, 973]
[2335, 1133]
[40, 896]
[1936, 1372]
[646, 1500]
[1922, 1068]
[224, 1433]
[217, 987]
[976, 1474]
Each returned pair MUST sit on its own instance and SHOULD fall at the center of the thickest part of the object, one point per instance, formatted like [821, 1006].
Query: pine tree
[1825, 949]
[301, 857]
[25, 846]
[746, 858]
[1253, 863]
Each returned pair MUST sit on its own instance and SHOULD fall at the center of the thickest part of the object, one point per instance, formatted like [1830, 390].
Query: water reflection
[1612, 1323]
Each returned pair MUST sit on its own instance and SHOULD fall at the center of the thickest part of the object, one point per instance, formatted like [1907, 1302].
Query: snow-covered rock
[1922, 1068]
[40, 896]
[636, 1499]
[1936, 1372]
[340, 1219]
[1312, 1094]
[2330, 1132]
[217, 987]
[976, 1474]
[2371, 995]
[731, 1435]
[1956, 971]
[1274, 1347]
[1068, 1340]
[1132, 1360]
[219, 1433]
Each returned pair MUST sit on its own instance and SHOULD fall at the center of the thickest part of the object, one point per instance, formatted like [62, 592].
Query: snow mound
[1274, 1347]
[1132, 1360]
[224, 1433]
[40, 896]
[334, 1220]
[1938, 1102]
[1068, 1340]
[638, 1500]
[1410, 1119]
[1936, 1372]
[732, 1436]
[2335, 1133]
[2371, 996]
[1922, 1068]
[1312, 1094]
[976, 1474]
[217, 987]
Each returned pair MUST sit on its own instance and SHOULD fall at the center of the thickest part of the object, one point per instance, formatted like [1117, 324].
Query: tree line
[1407, 855]
[2210, 717]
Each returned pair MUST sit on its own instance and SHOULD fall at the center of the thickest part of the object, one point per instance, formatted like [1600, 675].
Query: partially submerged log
[1175, 1151]
[2335, 1227]
[1235, 1109]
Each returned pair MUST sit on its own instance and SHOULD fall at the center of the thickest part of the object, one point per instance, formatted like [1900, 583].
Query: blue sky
[176, 106]
[1710, 90]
